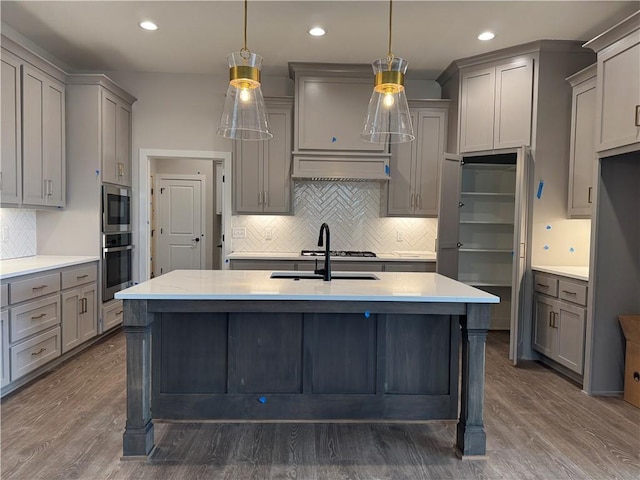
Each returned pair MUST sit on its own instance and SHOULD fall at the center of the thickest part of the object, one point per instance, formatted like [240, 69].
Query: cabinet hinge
[161, 231]
[161, 190]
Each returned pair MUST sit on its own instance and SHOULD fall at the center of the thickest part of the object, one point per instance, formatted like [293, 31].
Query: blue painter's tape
[548, 227]
[546, 247]
[226, 261]
[572, 249]
[367, 314]
[386, 169]
[334, 139]
[262, 399]
[540, 187]
[97, 172]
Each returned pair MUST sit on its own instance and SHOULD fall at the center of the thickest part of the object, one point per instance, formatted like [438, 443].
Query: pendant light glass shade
[388, 119]
[244, 116]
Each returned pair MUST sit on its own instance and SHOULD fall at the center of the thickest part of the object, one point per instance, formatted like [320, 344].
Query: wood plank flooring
[69, 425]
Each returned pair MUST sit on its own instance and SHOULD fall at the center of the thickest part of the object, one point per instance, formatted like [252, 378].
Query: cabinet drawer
[546, 285]
[34, 287]
[112, 315]
[79, 276]
[573, 292]
[34, 317]
[4, 295]
[33, 353]
[410, 267]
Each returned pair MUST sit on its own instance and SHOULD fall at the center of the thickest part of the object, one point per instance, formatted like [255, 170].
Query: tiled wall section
[352, 210]
[17, 233]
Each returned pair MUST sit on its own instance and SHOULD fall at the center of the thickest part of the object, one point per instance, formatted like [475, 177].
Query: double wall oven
[117, 247]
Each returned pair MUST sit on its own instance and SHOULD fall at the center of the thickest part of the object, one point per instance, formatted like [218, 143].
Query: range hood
[330, 106]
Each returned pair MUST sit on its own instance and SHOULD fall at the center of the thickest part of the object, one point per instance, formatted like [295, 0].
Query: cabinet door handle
[542, 285]
[80, 277]
[81, 305]
[86, 305]
[555, 318]
[589, 195]
[119, 313]
[259, 198]
[38, 352]
[411, 201]
[460, 204]
[459, 244]
[550, 318]
[568, 292]
[266, 198]
[417, 200]
[39, 287]
[38, 317]
[637, 115]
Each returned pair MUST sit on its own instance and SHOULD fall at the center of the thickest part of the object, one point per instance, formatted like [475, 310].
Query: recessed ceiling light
[148, 25]
[317, 31]
[486, 36]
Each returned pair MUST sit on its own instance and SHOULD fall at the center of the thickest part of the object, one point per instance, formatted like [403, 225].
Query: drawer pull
[569, 292]
[120, 312]
[39, 288]
[637, 115]
[38, 352]
[37, 317]
[542, 285]
[80, 277]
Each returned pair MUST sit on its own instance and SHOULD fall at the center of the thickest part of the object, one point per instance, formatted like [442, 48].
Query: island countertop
[257, 285]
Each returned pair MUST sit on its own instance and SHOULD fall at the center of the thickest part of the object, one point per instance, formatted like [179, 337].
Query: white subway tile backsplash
[17, 233]
[352, 210]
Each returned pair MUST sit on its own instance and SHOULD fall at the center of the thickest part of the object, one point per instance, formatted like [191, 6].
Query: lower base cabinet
[112, 315]
[4, 348]
[35, 352]
[79, 316]
[336, 266]
[559, 324]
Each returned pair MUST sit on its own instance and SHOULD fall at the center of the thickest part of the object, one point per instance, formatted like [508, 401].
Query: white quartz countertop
[398, 256]
[39, 263]
[257, 285]
[579, 273]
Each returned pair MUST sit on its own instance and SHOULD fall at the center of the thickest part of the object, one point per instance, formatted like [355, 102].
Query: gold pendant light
[244, 116]
[388, 119]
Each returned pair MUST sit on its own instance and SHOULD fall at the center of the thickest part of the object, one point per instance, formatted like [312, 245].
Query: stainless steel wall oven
[116, 263]
[116, 209]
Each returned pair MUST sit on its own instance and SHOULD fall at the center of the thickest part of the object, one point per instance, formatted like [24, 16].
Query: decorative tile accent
[17, 233]
[352, 210]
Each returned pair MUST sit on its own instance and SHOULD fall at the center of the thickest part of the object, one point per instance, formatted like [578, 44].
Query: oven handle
[117, 249]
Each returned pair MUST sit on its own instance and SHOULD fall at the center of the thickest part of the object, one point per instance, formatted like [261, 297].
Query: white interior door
[180, 241]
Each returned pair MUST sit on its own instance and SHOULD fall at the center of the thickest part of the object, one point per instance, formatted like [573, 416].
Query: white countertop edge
[576, 272]
[381, 257]
[321, 297]
[16, 267]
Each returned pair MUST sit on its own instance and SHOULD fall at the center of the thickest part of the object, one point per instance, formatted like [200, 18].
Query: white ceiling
[196, 36]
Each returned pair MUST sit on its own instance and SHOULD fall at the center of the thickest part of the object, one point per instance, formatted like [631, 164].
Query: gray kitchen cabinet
[286, 265]
[410, 266]
[33, 130]
[337, 266]
[559, 322]
[4, 347]
[100, 129]
[79, 306]
[618, 88]
[112, 314]
[582, 147]
[495, 106]
[43, 136]
[413, 187]
[116, 139]
[262, 169]
[11, 142]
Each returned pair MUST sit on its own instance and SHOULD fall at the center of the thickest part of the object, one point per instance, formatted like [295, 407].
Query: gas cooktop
[337, 253]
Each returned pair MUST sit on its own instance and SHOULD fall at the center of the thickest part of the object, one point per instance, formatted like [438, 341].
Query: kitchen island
[240, 345]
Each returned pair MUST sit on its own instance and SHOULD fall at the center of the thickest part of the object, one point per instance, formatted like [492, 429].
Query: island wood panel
[192, 353]
[418, 350]
[265, 353]
[343, 353]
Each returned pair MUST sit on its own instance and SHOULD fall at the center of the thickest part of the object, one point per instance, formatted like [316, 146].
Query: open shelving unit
[486, 231]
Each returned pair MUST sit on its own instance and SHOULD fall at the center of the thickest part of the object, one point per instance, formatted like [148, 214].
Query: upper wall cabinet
[413, 187]
[495, 106]
[330, 108]
[582, 148]
[100, 114]
[33, 130]
[618, 87]
[262, 169]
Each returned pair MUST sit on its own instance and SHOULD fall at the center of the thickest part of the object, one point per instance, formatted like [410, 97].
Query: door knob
[196, 239]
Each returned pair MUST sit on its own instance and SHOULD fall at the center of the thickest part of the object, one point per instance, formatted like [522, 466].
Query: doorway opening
[180, 169]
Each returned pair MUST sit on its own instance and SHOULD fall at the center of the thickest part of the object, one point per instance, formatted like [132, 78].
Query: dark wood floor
[69, 424]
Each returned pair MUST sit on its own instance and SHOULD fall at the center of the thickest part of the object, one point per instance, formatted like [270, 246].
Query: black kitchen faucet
[326, 271]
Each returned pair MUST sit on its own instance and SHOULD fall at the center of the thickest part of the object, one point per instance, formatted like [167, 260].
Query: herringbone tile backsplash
[17, 233]
[352, 210]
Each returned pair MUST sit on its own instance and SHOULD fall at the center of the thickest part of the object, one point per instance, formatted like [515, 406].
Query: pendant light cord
[390, 54]
[244, 52]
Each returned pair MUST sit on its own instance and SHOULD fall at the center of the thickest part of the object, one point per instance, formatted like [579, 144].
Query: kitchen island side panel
[295, 366]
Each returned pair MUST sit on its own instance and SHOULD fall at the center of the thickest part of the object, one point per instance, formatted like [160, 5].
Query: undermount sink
[315, 276]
